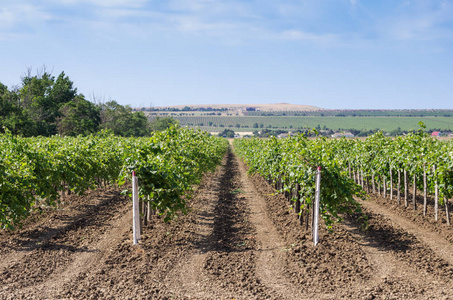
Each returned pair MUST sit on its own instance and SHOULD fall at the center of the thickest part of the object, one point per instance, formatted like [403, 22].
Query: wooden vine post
[398, 190]
[367, 184]
[361, 177]
[316, 207]
[436, 195]
[148, 214]
[135, 211]
[405, 188]
[425, 201]
[414, 192]
[391, 182]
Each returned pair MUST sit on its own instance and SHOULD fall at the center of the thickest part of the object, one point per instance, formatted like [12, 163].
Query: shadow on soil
[380, 235]
[231, 228]
[50, 238]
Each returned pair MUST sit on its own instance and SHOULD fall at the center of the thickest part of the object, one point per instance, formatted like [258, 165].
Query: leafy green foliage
[415, 152]
[37, 171]
[227, 133]
[162, 123]
[44, 105]
[122, 121]
[78, 116]
[295, 160]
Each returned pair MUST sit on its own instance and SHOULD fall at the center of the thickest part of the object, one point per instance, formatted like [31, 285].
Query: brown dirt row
[434, 240]
[42, 252]
[383, 262]
[416, 216]
[240, 240]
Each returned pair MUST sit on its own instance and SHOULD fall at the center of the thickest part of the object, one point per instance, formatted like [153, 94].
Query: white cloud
[105, 3]
[20, 20]
[21, 13]
[298, 35]
[419, 21]
[188, 23]
[7, 17]
[230, 19]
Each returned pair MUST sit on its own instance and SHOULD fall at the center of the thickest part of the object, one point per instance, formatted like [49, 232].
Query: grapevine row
[291, 165]
[40, 171]
[415, 163]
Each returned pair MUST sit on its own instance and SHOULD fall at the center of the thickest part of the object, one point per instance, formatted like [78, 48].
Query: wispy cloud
[16, 13]
[419, 20]
[18, 20]
[104, 3]
[308, 21]
[298, 35]
[7, 17]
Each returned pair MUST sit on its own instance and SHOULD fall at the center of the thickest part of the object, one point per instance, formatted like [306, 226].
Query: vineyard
[379, 164]
[249, 123]
[291, 165]
[226, 221]
[357, 113]
[39, 172]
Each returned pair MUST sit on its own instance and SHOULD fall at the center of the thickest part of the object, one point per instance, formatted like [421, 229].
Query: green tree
[34, 100]
[41, 97]
[122, 121]
[159, 124]
[12, 116]
[227, 133]
[62, 91]
[78, 116]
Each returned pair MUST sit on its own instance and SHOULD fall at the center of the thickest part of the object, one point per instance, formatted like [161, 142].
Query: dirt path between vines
[238, 253]
[271, 258]
[187, 278]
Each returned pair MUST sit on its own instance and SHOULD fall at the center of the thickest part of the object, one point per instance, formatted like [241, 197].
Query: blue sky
[328, 53]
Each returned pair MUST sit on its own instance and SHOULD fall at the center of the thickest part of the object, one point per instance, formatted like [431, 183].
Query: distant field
[288, 116]
[357, 113]
[243, 123]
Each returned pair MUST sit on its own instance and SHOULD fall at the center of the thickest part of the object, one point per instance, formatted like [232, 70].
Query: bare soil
[240, 240]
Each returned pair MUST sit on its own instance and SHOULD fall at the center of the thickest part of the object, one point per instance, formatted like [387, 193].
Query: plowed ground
[239, 241]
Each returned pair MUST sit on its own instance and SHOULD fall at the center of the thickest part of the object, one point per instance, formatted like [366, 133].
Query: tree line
[45, 105]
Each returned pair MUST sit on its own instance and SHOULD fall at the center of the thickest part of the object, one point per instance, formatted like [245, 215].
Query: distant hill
[291, 117]
[238, 107]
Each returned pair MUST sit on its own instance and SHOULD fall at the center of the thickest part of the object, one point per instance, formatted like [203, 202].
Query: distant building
[285, 135]
[250, 109]
[342, 134]
[436, 133]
